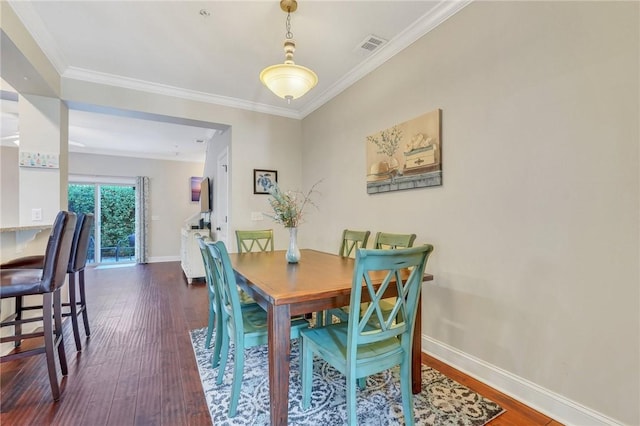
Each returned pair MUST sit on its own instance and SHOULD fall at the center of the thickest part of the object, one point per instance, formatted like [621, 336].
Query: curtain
[142, 219]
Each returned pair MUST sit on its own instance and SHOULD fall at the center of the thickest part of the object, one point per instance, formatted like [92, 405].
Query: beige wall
[170, 195]
[536, 225]
[9, 186]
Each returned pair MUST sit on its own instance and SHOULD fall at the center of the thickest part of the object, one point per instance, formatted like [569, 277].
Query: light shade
[288, 81]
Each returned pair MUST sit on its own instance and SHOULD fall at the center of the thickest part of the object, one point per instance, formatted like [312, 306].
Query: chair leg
[18, 326]
[362, 383]
[83, 303]
[74, 310]
[49, 343]
[220, 332]
[210, 324]
[59, 335]
[238, 370]
[306, 364]
[352, 416]
[224, 354]
[407, 395]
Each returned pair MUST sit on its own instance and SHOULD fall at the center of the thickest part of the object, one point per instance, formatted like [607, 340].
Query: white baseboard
[543, 400]
[159, 259]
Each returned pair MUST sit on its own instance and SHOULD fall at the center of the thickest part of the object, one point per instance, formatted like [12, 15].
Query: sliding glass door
[113, 206]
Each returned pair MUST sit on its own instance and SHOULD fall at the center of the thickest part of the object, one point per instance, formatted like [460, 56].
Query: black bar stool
[47, 281]
[76, 266]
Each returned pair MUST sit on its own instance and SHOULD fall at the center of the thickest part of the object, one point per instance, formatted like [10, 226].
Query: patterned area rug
[441, 402]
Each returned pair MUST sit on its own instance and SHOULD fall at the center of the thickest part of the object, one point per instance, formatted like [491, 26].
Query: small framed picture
[263, 180]
[195, 188]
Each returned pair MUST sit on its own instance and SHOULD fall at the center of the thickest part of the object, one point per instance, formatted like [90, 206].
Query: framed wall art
[263, 180]
[406, 156]
[40, 160]
[195, 182]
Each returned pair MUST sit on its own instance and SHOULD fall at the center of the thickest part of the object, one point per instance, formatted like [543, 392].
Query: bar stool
[76, 266]
[17, 283]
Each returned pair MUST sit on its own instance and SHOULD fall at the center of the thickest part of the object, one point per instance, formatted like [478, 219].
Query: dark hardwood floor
[138, 366]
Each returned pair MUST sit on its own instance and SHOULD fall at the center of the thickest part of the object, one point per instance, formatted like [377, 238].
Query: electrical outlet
[36, 214]
[256, 216]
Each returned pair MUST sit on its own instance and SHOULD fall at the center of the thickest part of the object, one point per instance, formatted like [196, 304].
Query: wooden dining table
[320, 281]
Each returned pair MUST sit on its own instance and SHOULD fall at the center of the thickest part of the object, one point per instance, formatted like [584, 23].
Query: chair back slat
[58, 251]
[80, 247]
[260, 240]
[227, 289]
[208, 268]
[402, 268]
[385, 240]
[353, 240]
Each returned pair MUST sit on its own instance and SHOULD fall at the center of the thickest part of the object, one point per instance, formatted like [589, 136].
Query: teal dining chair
[246, 325]
[254, 240]
[215, 319]
[388, 241]
[371, 341]
[351, 241]
[385, 240]
[214, 308]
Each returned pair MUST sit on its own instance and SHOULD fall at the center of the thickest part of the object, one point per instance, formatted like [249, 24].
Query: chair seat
[21, 282]
[330, 342]
[254, 321]
[386, 305]
[30, 262]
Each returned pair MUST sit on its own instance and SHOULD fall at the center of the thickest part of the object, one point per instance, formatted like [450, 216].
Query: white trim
[37, 29]
[550, 403]
[434, 17]
[116, 180]
[427, 22]
[160, 259]
[74, 73]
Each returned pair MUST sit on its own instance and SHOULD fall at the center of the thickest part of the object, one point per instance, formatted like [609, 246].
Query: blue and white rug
[441, 402]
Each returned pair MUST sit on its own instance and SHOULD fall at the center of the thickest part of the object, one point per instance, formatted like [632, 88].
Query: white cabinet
[190, 256]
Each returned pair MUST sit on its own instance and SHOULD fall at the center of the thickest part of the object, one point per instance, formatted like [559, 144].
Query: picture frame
[195, 182]
[263, 180]
[406, 156]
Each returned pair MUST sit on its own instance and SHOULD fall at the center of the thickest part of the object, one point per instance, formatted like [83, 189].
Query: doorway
[113, 205]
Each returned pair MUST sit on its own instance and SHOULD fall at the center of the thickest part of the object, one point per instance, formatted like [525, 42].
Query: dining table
[319, 281]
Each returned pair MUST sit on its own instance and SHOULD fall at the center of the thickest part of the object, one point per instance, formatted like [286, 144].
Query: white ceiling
[171, 47]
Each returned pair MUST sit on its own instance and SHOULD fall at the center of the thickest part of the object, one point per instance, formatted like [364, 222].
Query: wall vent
[370, 44]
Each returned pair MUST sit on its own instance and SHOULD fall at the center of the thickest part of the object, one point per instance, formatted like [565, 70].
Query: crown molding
[36, 27]
[434, 17]
[427, 22]
[74, 73]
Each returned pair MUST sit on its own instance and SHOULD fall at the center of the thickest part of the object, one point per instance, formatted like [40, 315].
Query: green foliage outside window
[117, 207]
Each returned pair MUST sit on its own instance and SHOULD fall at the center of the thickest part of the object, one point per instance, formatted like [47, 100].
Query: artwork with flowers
[406, 156]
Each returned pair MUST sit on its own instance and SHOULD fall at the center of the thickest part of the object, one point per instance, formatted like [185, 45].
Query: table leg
[416, 356]
[279, 318]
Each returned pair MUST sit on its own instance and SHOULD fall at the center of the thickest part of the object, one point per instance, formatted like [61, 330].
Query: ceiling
[212, 51]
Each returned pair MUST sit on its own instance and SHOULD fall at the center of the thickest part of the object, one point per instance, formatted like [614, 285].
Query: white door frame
[221, 231]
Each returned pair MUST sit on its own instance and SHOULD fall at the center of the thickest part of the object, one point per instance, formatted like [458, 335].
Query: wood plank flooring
[138, 368]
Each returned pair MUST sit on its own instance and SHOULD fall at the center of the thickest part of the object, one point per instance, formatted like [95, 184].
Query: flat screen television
[205, 195]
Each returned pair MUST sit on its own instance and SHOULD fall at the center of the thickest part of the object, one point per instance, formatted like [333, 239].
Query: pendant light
[288, 81]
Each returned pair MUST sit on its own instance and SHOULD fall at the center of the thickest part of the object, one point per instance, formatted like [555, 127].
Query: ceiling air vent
[370, 44]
